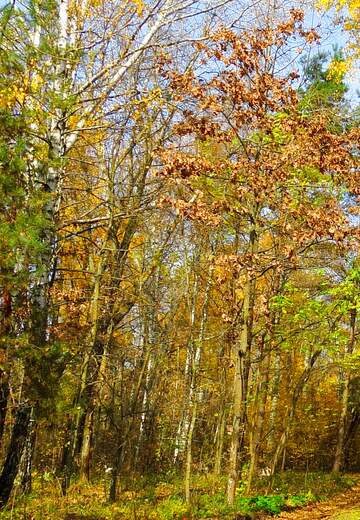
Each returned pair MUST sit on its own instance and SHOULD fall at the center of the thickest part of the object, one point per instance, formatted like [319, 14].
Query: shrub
[272, 504]
[172, 508]
[300, 500]
[210, 506]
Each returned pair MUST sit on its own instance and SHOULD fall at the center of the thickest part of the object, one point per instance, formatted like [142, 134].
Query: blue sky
[330, 36]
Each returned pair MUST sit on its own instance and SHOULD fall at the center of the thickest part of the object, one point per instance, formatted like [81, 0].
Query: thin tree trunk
[188, 464]
[261, 394]
[240, 390]
[291, 413]
[184, 423]
[123, 434]
[97, 345]
[148, 340]
[5, 330]
[259, 405]
[241, 356]
[219, 443]
[4, 394]
[339, 453]
[274, 393]
[65, 466]
[194, 392]
[86, 390]
[85, 453]
[115, 471]
[25, 476]
[221, 422]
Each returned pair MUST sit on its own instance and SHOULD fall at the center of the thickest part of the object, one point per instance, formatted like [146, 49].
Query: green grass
[319, 483]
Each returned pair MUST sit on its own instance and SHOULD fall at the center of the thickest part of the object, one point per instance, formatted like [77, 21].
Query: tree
[74, 85]
[261, 179]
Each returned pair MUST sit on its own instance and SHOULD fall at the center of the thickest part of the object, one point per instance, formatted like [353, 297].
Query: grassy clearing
[155, 498]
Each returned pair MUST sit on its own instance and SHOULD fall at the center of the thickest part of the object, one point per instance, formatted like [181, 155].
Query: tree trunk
[85, 453]
[17, 444]
[194, 391]
[66, 466]
[97, 345]
[240, 355]
[219, 442]
[27, 456]
[222, 417]
[123, 433]
[189, 454]
[184, 423]
[274, 393]
[256, 430]
[4, 394]
[339, 453]
[261, 394]
[291, 412]
[144, 419]
[115, 471]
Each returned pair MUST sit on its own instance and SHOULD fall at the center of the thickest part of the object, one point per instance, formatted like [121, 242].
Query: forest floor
[344, 506]
[314, 495]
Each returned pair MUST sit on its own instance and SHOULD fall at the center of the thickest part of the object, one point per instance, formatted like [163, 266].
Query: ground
[345, 506]
[154, 497]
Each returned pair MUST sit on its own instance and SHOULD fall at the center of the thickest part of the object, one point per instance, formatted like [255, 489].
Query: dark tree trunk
[339, 453]
[66, 462]
[27, 456]
[4, 394]
[17, 444]
[115, 472]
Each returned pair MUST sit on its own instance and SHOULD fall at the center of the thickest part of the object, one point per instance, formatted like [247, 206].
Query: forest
[179, 259]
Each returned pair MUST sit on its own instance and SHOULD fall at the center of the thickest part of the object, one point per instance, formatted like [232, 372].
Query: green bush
[210, 506]
[172, 508]
[272, 504]
[300, 500]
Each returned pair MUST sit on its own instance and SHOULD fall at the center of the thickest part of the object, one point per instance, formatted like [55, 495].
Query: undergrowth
[161, 498]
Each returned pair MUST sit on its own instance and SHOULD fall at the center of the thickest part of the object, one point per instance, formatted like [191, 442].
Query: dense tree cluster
[179, 241]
